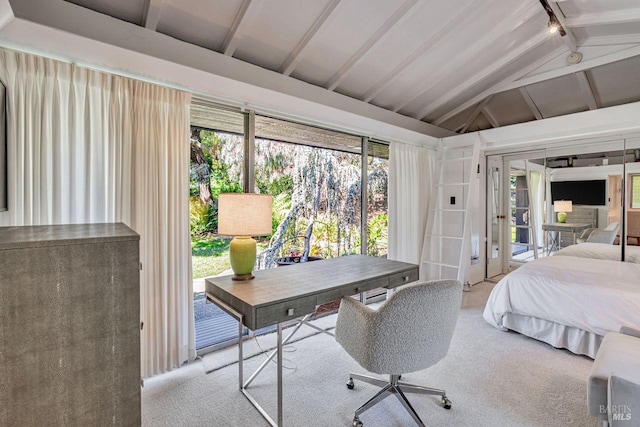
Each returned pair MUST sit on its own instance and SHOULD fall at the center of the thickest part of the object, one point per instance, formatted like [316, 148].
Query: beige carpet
[493, 379]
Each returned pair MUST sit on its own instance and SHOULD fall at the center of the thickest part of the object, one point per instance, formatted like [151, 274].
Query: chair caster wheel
[350, 386]
[357, 422]
[446, 403]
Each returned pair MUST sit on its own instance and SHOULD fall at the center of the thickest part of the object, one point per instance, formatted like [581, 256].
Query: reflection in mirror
[591, 179]
[632, 200]
[494, 203]
[527, 202]
[474, 209]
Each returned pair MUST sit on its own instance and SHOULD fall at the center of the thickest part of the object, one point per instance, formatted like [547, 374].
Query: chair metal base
[397, 388]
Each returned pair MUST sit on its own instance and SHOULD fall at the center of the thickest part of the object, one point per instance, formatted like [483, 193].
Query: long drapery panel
[90, 147]
[410, 169]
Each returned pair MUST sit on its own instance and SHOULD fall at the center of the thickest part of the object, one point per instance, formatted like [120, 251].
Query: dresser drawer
[288, 310]
[403, 278]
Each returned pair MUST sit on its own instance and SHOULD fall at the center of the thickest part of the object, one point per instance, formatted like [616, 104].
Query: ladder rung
[453, 183]
[445, 237]
[522, 207]
[446, 210]
[521, 226]
[441, 264]
[523, 244]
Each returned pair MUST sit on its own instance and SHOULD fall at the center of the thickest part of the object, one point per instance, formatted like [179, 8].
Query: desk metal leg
[240, 356]
[279, 374]
[277, 351]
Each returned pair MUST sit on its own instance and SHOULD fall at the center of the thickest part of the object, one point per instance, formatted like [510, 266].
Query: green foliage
[201, 217]
[377, 234]
[280, 208]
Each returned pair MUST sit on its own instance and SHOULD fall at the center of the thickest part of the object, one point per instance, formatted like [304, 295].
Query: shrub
[201, 217]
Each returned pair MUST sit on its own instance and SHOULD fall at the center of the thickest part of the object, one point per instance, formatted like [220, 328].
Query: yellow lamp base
[562, 217]
[242, 254]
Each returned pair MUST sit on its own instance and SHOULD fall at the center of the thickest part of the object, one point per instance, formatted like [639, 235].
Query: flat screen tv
[3, 150]
[580, 192]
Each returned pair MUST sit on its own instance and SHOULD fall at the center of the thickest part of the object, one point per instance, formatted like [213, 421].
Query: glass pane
[378, 199]
[635, 191]
[494, 206]
[217, 162]
[632, 226]
[316, 194]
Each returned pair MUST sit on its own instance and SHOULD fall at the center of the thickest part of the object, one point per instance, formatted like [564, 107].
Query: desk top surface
[299, 280]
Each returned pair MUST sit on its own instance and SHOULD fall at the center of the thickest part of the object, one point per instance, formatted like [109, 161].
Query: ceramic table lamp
[243, 215]
[562, 207]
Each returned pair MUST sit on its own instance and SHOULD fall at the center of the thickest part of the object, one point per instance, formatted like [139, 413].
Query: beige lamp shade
[244, 214]
[562, 206]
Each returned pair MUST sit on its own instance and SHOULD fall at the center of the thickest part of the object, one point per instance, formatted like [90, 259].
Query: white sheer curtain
[409, 187]
[88, 147]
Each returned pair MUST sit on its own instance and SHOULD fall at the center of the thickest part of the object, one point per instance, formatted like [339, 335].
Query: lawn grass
[210, 255]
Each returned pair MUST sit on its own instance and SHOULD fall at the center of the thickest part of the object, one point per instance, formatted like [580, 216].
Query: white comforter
[601, 251]
[589, 294]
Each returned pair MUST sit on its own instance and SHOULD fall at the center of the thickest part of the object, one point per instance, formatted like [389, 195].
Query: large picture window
[315, 176]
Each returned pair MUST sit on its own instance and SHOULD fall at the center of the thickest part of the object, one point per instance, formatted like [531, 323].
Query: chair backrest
[413, 329]
[602, 236]
[614, 226]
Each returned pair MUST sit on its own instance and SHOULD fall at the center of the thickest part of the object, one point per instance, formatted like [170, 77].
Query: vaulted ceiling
[462, 65]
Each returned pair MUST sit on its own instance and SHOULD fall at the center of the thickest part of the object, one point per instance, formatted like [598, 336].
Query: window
[635, 191]
[315, 178]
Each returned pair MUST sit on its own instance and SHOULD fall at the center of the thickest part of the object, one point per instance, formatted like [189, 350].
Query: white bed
[601, 251]
[568, 302]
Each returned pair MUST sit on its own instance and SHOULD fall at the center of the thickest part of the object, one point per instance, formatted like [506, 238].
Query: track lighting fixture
[554, 25]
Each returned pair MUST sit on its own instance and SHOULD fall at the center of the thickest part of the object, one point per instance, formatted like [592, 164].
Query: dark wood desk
[282, 294]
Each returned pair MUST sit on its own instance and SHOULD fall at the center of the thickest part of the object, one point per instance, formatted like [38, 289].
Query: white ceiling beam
[525, 12]
[151, 14]
[498, 86]
[570, 69]
[610, 40]
[239, 26]
[490, 116]
[428, 44]
[532, 105]
[481, 75]
[569, 38]
[459, 128]
[345, 70]
[587, 90]
[6, 13]
[295, 56]
[74, 34]
[604, 18]
[474, 114]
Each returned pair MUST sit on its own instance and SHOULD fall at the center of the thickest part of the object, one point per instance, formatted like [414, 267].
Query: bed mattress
[601, 251]
[590, 296]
